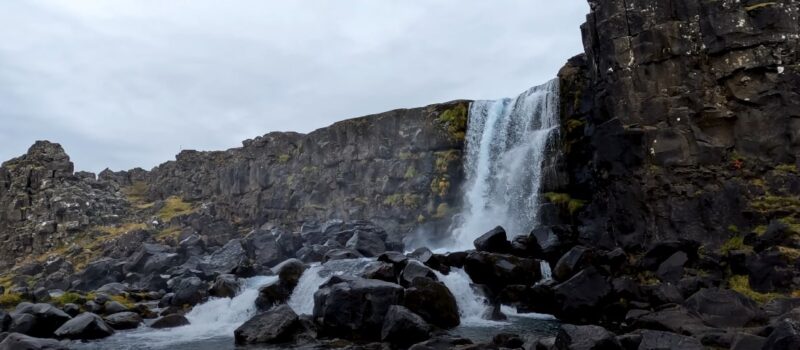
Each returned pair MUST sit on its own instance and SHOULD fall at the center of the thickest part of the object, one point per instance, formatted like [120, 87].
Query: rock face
[274, 326]
[682, 120]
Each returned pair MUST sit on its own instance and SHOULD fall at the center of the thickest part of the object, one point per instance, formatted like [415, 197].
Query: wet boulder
[433, 301]
[586, 338]
[85, 326]
[289, 272]
[354, 308]
[403, 327]
[725, 308]
[581, 296]
[5, 321]
[414, 269]
[500, 270]
[785, 336]
[123, 320]
[170, 321]
[553, 241]
[395, 258]
[341, 254]
[188, 291]
[494, 241]
[112, 307]
[17, 341]
[277, 325]
[571, 262]
[367, 243]
[380, 271]
[273, 293]
[225, 286]
[22, 323]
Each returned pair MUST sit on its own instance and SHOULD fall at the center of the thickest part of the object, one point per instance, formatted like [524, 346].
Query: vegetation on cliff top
[455, 120]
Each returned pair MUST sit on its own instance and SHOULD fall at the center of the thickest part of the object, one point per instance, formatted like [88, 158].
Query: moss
[169, 233]
[741, 284]
[403, 199]
[411, 172]
[791, 254]
[565, 200]
[792, 223]
[735, 243]
[769, 203]
[573, 124]
[440, 186]
[10, 300]
[309, 169]
[406, 156]
[137, 194]
[733, 228]
[117, 230]
[455, 120]
[122, 299]
[69, 298]
[421, 219]
[442, 210]
[290, 180]
[174, 206]
[787, 168]
[284, 158]
[444, 159]
[759, 5]
[760, 230]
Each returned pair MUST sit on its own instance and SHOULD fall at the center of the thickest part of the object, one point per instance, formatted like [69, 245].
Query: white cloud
[128, 83]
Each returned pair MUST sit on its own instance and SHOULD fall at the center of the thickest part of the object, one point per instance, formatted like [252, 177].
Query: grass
[137, 194]
[759, 5]
[284, 158]
[69, 298]
[169, 233]
[735, 243]
[741, 284]
[173, 206]
[411, 172]
[787, 168]
[10, 300]
[124, 301]
[405, 199]
[769, 203]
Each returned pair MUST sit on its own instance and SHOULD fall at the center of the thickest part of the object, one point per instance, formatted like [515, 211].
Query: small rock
[85, 326]
[170, 321]
[403, 327]
[17, 341]
[124, 320]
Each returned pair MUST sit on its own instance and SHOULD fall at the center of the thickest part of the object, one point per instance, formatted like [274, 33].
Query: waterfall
[471, 305]
[302, 299]
[507, 143]
[547, 273]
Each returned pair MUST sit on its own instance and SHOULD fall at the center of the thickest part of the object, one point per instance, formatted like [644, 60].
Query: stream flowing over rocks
[646, 198]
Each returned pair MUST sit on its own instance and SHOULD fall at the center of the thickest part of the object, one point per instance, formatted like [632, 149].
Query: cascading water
[507, 143]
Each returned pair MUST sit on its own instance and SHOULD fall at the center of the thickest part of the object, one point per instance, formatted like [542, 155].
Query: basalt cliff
[669, 211]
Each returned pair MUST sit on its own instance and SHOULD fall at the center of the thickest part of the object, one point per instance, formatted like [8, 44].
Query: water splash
[507, 143]
[547, 272]
[302, 299]
[471, 305]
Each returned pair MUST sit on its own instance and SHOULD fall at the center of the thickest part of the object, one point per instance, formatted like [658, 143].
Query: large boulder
[657, 340]
[123, 320]
[494, 241]
[99, 273]
[433, 301]
[152, 259]
[225, 286]
[274, 326]
[230, 259]
[571, 262]
[271, 294]
[571, 337]
[341, 254]
[85, 326]
[581, 296]
[725, 308]
[380, 270]
[671, 270]
[170, 321]
[188, 291]
[17, 341]
[367, 243]
[414, 269]
[403, 327]
[785, 336]
[47, 317]
[262, 247]
[354, 308]
[675, 319]
[662, 251]
[22, 323]
[5, 321]
[289, 272]
[499, 270]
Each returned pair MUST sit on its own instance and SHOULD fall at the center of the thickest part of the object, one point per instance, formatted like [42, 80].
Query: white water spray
[506, 145]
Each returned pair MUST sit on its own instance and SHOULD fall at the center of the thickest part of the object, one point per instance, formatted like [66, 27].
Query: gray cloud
[129, 83]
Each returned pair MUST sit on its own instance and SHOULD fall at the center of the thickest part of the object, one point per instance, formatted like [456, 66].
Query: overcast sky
[130, 83]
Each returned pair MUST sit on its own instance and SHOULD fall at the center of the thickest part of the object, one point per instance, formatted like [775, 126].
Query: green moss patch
[741, 284]
[455, 120]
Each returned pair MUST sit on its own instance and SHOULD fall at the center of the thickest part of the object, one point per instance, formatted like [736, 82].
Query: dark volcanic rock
[188, 291]
[581, 296]
[403, 327]
[653, 340]
[16, 341]
[84, 326]
[414, 269]
[573, 337]
[47, 319]
[225, 286]
[5, 321]
[501, 269]
[170, 321]
[494, 241]
[355, 308]
[274, 326]
[784, 336]
[725, 308]
[289, 272]
[367, 243]
[433, 301]
[123, 320]
[570, 263]
[271, 294]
